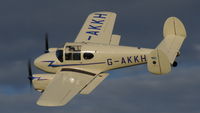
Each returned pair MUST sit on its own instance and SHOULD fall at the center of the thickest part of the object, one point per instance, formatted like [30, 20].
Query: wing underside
[64, 86]
[94, 83]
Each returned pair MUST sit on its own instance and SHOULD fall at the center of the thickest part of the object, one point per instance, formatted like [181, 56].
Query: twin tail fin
[161, 58]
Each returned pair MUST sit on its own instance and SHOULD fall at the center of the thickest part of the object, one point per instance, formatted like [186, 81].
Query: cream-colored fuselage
[79, 67]
[105, 57]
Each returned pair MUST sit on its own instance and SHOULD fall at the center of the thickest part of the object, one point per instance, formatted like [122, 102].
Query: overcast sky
[23, 24]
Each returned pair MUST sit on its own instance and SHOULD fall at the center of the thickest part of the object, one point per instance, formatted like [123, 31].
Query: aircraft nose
[42, 61]
[37, 62]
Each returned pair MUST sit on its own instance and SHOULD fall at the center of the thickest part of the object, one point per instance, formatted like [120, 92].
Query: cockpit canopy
[73, 53]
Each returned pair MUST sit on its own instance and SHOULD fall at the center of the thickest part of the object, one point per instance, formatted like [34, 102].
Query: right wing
[94, 83]
[97, 28]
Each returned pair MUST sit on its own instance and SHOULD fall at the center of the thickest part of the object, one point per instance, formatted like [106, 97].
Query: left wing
[97, 28]
[65, 85]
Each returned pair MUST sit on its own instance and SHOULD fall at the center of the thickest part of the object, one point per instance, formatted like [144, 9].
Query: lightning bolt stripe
[38, 78]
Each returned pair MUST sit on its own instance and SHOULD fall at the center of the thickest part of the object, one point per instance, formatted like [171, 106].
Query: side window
[59, 55]
[88, 56]
[72, 56]
[73, 53]
[76, 56]
[68, 56]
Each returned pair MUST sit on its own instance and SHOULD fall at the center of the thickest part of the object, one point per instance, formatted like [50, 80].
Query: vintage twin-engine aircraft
[79, 67]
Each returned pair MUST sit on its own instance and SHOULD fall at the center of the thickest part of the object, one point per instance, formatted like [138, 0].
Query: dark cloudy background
[23, 24]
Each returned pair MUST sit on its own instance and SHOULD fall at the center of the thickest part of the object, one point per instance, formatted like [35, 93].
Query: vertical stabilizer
[161, 59]
[173, 26]
[174, 35]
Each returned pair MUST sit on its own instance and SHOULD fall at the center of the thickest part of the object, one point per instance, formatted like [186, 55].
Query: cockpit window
[59, 55]
[73, 48]
[76, 56]
[73, 52]
[88, 56]
[73, 56]
[68, 56]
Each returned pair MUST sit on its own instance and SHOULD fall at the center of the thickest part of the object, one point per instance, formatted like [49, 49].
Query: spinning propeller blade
[30, 74]
[46, 43]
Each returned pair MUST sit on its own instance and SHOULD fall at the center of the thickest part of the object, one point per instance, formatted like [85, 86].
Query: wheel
[175, 64]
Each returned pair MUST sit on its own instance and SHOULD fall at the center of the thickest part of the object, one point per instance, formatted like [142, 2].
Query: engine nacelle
[40, 81]
[52, 49]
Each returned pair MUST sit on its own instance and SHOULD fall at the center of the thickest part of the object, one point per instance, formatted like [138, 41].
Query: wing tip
[106, 12]
[48, 104]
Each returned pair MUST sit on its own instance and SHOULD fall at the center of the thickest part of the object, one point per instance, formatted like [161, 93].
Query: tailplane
[161, 59]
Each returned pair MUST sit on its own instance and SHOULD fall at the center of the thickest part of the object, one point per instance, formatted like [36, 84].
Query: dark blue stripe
[89, 37]
[54, 65]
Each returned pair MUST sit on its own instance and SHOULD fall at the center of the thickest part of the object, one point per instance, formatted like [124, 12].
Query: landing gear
[178, 54]
[175, 64]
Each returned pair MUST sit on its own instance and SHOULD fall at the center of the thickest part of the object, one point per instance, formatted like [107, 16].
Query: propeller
[30, 74]
[46, 43]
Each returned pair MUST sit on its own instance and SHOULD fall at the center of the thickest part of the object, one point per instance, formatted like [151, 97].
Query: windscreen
[59, 55]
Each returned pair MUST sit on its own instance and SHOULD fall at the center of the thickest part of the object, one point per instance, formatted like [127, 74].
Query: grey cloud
[14, 74]
[197, 47]
[177, 92]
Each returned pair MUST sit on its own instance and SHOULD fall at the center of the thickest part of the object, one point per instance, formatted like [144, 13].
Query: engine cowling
[40, 81]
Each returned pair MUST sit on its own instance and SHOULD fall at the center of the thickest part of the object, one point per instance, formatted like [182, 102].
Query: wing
[94, 83]
[97, 28]
[64, 86]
